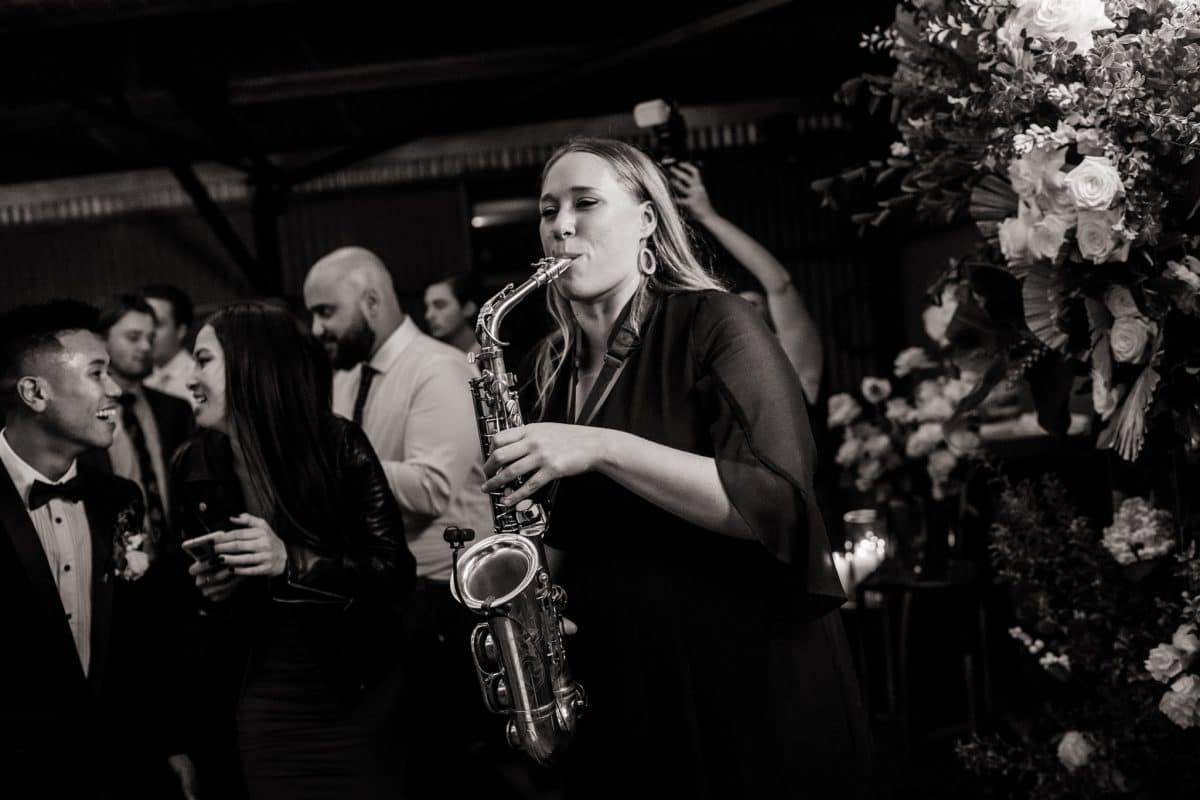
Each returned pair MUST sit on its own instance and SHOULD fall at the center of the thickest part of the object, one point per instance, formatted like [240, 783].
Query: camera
[667, 129]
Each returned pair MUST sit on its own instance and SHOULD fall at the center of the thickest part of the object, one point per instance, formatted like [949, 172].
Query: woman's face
[588, 214]
[208, 381]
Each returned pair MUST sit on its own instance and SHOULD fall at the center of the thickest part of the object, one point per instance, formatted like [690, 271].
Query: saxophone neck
[493, 312]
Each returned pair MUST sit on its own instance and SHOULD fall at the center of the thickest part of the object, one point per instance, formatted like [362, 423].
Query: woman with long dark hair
[696, 562]
[295, 531]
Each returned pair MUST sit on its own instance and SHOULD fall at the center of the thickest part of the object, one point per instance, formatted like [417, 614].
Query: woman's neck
[596, 319]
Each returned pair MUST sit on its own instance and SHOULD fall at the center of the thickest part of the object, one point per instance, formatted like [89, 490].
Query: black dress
[715, 667]
[317, 659]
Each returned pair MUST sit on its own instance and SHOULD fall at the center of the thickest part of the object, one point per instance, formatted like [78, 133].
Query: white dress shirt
[62, 528]
[172, 377]
[421, 421]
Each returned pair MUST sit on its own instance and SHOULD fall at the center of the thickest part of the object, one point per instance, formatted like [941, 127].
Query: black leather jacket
[350, 596]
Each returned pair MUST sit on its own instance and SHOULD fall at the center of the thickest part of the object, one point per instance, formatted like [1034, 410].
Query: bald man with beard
[410, 394]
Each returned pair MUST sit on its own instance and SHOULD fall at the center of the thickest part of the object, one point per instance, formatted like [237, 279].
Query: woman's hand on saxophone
[541, 452]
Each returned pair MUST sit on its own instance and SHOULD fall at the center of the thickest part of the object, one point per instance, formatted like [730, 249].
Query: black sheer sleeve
[761, 440]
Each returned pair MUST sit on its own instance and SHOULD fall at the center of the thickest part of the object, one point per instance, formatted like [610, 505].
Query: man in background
[410, 394]
[150, 424]
[173, 316]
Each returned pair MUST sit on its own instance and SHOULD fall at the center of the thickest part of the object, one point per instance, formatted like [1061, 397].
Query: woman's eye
[585, 202]
[548, 212]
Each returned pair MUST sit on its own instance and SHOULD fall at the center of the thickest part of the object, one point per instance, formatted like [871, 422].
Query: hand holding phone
[200, 548]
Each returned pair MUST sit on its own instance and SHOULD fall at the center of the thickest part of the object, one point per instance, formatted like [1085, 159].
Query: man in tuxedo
[151, 425]
[85, 708]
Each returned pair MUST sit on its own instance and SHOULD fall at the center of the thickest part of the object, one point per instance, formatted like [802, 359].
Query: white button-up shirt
[62, 528]
[421, 421]
[123, 454]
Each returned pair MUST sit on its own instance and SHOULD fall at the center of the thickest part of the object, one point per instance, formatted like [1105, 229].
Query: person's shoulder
[346, 439]
[708, 308]
[437, 356]
[203, 453]
[167, 402]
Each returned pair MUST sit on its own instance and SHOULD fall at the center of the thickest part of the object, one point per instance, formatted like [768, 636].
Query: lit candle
[842, 564]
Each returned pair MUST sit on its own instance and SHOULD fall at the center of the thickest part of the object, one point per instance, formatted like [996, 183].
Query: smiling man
[74, 680]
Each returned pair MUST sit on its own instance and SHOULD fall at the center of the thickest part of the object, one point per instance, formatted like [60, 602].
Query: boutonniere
[130, 561]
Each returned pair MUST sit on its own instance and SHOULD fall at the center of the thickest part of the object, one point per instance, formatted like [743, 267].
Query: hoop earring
[647, 263]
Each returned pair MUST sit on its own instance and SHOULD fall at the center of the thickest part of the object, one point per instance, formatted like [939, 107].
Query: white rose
[923, 440]
[868, 472]
[136, 564]
[1047, 236]
[1164, 663]
[1188, 684]
[1179, 708]
[899, 410]
[1098, 241]
[911, 358]
[941, 464]
[1014, 240]
[1030, 173]
[900, 150]
[934, 409]
[1180, 704]
[843, 409]
[1129, 339]
[1073, 20]
[847, 454]
[1094, 184]
[1120, 302]
[1186, 641]
[963, 441]
[1074, 750]
[876, 390]
[877, 445]
[958, 388]
[1055, 199]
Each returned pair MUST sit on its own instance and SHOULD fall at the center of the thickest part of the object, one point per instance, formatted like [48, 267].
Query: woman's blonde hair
[678, 269]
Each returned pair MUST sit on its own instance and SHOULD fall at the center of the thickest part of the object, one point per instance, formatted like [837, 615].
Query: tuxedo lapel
[100, 524]
[28, 547]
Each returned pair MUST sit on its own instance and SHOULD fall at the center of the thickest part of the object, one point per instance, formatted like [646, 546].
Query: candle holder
[866, 546]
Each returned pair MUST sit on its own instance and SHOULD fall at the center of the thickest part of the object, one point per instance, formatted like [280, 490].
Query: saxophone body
[518, 649]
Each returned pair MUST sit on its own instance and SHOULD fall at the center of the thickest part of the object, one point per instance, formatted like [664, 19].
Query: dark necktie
[41, 492]
[155, 516]
[364, 388]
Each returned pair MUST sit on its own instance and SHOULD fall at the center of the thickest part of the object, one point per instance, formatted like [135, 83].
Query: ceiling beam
[404, 74]
[455, 118]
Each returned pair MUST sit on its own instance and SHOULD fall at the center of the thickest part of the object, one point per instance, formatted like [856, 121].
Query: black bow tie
[41, 493]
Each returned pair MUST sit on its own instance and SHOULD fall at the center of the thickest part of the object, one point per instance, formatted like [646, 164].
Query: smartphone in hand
[200, 548]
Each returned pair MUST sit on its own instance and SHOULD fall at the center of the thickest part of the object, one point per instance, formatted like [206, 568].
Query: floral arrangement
[886, 432]
[1067, 131]
[1095, 610]
[130, 560]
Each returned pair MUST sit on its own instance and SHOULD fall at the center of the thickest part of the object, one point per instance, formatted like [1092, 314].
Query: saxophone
[518, 650]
